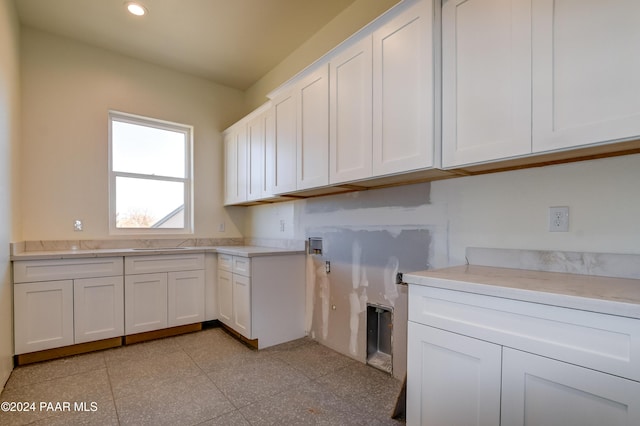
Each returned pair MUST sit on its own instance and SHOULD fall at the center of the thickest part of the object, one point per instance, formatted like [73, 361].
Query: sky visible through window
[146, 198]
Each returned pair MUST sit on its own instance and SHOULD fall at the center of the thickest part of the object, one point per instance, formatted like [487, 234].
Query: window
[150, 183]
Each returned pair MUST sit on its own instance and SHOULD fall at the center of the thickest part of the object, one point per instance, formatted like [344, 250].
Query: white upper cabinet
[313, 130]
[256, 147]
[236, 156]
[586, 72]
[350, 113]
[403, 92]
[282, 146]
[486, 80]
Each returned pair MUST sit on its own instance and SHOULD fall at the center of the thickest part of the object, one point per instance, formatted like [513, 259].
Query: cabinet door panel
[586, 72]
[282, 146]
[185, 297]
[351, 113]
[145, 302]
[242, 305]
[225, 297]
[255, 167]
[43, 315]
[486, 80]
[451, 379]
[403, 115]
[230, 168]
[542, 391]
[313, 130]
[98, 308]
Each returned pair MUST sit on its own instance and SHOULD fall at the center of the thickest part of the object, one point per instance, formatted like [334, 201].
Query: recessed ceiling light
[136, 8]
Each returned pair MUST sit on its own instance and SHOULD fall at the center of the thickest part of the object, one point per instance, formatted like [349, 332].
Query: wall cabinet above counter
[429, 92]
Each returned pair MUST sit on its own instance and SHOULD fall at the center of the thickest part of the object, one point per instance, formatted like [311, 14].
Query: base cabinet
[453, 380]
[64, 302]
[262, 297]
[98, 308]
[43, 315]
[163, 291]
[487, 372]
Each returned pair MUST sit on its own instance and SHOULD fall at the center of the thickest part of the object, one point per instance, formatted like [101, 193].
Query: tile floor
[204, 378]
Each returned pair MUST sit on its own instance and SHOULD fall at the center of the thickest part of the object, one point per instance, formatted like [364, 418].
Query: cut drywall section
[363, 263]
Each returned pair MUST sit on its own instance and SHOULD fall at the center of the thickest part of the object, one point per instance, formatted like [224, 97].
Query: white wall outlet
[559, 219]
[281, 225]
[77, 225]
[221, 227]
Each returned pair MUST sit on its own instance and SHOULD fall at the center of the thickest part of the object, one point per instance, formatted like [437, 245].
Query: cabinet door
[242, 305]
[403, 81]
[350, 113]
[98, 306]
[43, 313]
[486, 80]
[451, 379]
[313, 130]
[145, 305]
[236, 156]
[586, 72]
[185, 301]
[542, 391]
[282, 147]
[225, 297]
[255, 168]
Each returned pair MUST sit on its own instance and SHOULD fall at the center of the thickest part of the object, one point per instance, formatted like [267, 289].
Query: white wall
[505, 210]
[68, 87]
[9, 160]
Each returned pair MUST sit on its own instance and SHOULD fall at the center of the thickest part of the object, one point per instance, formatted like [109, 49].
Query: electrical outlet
[559, 219]
[327, 267]
[221, 227]
[77, 225]
[281, 225]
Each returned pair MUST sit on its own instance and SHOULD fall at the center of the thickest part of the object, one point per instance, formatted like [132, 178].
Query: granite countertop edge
[613, 296]
[244, 251]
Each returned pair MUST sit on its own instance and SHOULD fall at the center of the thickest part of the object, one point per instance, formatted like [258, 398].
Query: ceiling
[231, 42]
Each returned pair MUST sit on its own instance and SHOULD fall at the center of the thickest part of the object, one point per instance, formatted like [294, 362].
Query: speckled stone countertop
[254, 251]
[615, 296]
[245, 251]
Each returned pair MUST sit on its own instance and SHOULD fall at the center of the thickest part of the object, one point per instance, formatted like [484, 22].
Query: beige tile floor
[203, 378]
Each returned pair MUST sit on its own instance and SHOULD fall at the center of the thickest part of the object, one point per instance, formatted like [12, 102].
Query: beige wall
[68, 87]
[352, 19]
[9, 161]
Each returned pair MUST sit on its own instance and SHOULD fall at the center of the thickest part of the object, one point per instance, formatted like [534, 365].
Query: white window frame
[187, 180]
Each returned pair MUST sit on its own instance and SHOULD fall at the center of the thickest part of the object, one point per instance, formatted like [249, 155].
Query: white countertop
[254, 251]
[245, 251]
[615, 296]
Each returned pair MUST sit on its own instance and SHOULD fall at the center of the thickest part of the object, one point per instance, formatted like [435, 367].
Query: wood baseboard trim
[64, 351]
[252, 343]
[159, 334]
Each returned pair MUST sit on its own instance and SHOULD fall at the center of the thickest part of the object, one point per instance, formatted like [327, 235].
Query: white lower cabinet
[43, 315]
[98, 308]
[262, 297]
[480, 360]
[542, 391]
[170, 292]
[453, 379]
[146, 302]
[66, 301]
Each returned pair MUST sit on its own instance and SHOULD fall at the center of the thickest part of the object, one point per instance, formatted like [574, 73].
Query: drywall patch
[408, 196]
[364, 262]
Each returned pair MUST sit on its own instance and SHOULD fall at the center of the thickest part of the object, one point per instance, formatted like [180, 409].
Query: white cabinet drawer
[242, 266]
[602, 342]
[225, 262]
[61, 269]
[163, 263]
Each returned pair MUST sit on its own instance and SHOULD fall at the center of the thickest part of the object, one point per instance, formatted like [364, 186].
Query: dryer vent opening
[379, 337]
